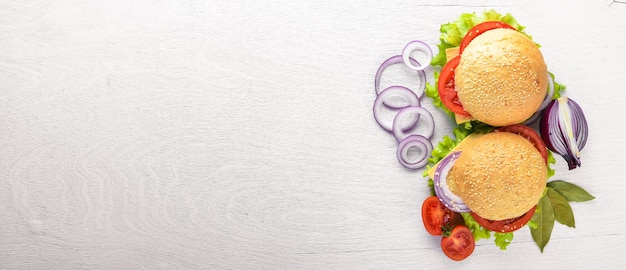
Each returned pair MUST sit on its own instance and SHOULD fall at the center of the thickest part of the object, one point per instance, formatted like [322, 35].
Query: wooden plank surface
[239, 135]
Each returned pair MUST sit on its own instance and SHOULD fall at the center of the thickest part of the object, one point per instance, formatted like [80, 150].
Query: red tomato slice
[530, 135]
[459, 244]
[507, 225]
[479, 29]
[435, 215]
[446, 87]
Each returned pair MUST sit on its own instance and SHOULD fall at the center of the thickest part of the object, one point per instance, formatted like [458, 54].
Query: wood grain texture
[239, 135]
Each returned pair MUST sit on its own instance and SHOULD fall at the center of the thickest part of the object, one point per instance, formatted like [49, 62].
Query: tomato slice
[530, 135]
[435, 215]
[507, 225]
[446, 87]
[459, 244]
[479, 29]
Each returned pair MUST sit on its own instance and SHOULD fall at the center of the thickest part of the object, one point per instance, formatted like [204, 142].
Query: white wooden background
[239, 135]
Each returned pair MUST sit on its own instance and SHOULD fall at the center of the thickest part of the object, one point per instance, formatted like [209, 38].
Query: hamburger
[497, 76]
[499, 176]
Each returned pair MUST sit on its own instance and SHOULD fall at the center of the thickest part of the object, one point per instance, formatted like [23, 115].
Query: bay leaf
[571, 192]
[544, 218]
[562, 210]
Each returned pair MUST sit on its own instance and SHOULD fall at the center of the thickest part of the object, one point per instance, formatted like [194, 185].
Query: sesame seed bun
[501, 78]
[500, 175]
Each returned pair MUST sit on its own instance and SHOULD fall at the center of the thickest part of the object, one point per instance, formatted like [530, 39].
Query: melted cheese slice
[460, 119]
[464, 143]
[451, 53]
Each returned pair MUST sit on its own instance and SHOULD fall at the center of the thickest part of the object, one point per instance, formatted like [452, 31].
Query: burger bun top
[501, 78]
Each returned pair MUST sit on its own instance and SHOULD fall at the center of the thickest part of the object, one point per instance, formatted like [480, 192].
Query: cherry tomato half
[459, 244]
[446, 87]
[479, 29]
[530, 135]
[507, 225]
[435, 215]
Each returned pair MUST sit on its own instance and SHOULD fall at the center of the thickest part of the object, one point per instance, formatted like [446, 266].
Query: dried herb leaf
[544, 218]
[571, 192]
[562, 210]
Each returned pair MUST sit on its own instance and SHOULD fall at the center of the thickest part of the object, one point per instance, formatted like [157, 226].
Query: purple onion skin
[552, 137]
[572, 162]
[544, 130]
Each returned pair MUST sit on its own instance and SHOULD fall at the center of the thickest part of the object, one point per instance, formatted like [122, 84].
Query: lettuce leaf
[551, 161]
[558, 87]
[503, 239]
[452, 33]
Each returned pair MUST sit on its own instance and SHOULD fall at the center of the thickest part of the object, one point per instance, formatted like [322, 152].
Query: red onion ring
[397, 126]
[549, 95]
[424, 146]
[397, 59]
[532, 118]
[449, 199]
[413, 46]
[380, 110]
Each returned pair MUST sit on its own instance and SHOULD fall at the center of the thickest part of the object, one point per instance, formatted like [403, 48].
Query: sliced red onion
[449, 199]
[549, 95]
[564, 130]
[385, 115]
[424, 148]
[544, 104]
[533, 118]
[398, 122]
[397, 59]
[416, 45]
[581, 131]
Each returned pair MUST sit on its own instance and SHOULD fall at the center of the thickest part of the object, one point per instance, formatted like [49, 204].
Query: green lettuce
[551, 161]
[558, 87]
[503, 240]
[453, 32]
